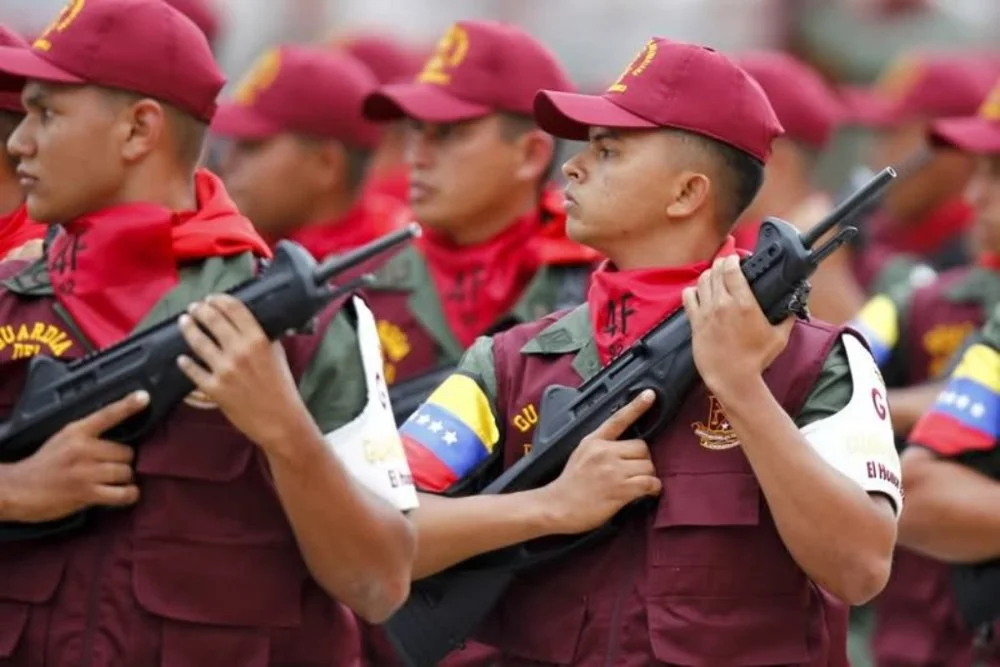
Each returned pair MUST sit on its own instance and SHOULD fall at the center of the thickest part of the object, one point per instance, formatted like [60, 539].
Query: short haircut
[740, 175]
[357, 159]
[513, 126]
[189, 133]
[9, 120]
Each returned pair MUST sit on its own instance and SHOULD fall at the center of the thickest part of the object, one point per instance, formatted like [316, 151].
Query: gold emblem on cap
[259, 78]
[990, 110]
[449, 54]
[900, 77]
[66, 16]
[636, 67]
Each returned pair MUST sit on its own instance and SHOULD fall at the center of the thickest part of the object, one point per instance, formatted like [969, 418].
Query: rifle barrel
[335, 265]
[846, 208]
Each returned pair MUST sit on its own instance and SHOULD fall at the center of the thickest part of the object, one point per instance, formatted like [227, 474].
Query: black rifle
[285, 297]
[444, 610]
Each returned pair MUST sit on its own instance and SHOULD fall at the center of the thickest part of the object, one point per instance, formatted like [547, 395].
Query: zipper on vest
[628, 580]
[93, 600]
[74, 329]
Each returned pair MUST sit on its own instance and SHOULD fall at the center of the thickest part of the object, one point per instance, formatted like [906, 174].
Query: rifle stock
[444, 610]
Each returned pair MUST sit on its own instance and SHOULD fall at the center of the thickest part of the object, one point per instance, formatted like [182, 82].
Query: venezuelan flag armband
[966, 416]
[453, 435]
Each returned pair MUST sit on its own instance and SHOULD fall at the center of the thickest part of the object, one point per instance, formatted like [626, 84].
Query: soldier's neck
[174, 191]
[493, 221]
[668, 246]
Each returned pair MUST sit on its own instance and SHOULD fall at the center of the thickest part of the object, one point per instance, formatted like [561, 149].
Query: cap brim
[571, 115]
[864, 107]
[421, 101]
[241, 122]
[19, 64]
[970, 134]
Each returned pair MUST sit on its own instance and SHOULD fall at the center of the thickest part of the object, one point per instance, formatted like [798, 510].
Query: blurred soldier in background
[810, 111]
[300, 151]
[18, 236]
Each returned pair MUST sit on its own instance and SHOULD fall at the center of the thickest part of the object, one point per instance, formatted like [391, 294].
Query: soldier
[300, 150]
[494, 250]
[922, 213]
[916, 619]
[810, 112]
[251, 523]
[768, 485]
[391, 62]
[18, 236]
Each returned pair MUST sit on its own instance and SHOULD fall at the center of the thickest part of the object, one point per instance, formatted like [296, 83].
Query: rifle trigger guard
[653, 420]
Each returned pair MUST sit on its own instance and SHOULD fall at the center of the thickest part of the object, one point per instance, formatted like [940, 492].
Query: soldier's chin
[41, 211]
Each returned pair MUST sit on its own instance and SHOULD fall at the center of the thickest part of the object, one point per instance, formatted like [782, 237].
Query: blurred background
[848, 40]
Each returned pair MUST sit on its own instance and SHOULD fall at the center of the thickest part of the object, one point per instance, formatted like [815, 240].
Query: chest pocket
[720, 581]
[212, 546]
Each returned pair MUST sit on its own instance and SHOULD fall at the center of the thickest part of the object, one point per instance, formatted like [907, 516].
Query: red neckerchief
[745, 235]
[109, 268]
[373, 216]
[989, 260]
[626, 305]
[930, 234]
[17, 229]
[478, 284]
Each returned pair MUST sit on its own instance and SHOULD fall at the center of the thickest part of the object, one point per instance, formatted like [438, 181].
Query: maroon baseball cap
[388, 59]
[806, 106]
[204, 14]
[978, 134]
[141, 46]
[301, 89]
[11, 100]
[478, 68]
[921, 86]
[671, 85]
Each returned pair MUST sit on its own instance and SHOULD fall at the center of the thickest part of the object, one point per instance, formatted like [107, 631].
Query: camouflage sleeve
[333, 387]
[452, 440]
[882, 320]
[832, 390]
[964, 422]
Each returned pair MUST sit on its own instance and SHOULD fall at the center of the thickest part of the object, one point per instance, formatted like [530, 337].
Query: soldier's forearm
[356, 545]
[451, 530]
[950, 511]
[840, 536]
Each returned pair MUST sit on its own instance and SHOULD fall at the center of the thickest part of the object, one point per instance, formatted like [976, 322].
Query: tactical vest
[704, 578]
[916, 622]
[203, 571]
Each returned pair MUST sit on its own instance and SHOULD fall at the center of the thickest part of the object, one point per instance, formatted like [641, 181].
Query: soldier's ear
[536, 152]
[689, 194]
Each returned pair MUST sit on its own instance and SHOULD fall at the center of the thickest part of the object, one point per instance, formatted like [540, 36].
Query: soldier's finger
[618, 423]
[632, 449]
[689, 297]
[105, 451]
[113, 473]
[116, 495]
[203, 347]
[736, 284]
[215, 322]
[236, 312]
[645, 485]
[114, 413]
[638, 468]
[718, 281]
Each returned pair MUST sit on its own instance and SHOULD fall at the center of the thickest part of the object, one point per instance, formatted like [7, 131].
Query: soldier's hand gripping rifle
[444, 610]
[285, 297]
